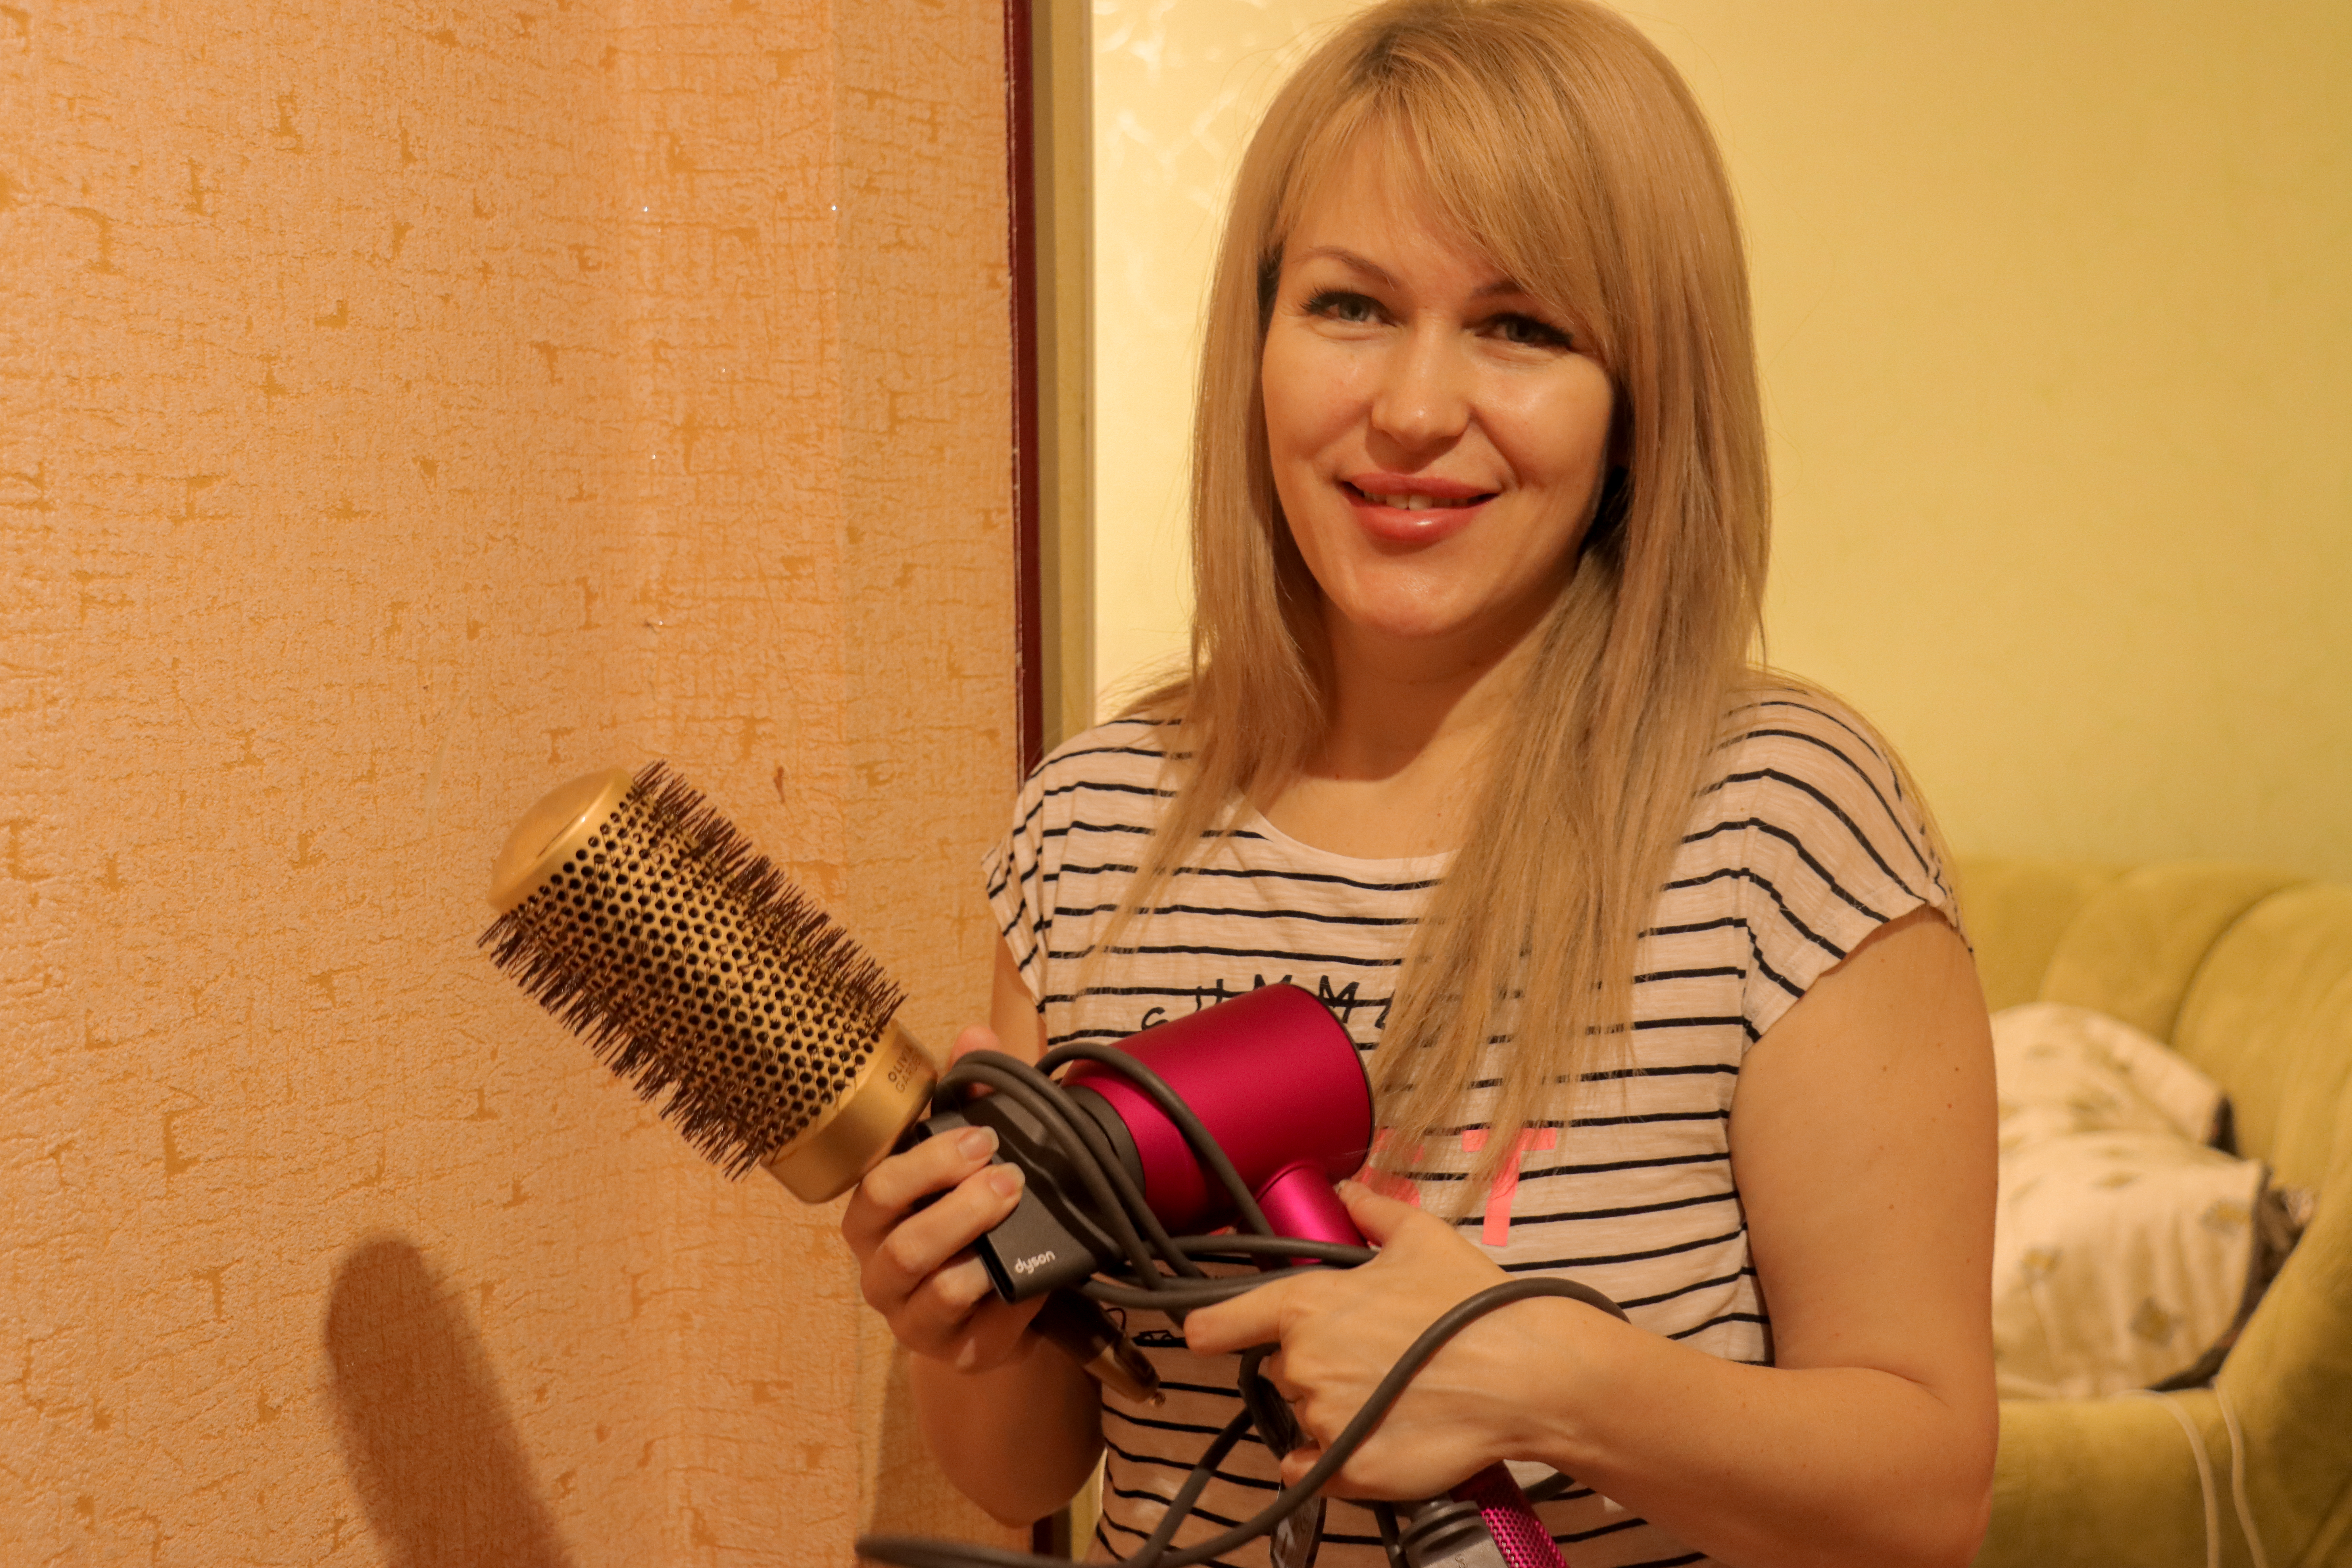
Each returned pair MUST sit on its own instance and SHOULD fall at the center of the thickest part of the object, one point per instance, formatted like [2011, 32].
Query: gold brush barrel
[639, 917]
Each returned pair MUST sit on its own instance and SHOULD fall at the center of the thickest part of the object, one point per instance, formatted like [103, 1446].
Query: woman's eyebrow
[1352, 261]
[1372, 269]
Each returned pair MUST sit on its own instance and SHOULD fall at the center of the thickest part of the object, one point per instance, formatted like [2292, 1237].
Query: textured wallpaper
[403, 410]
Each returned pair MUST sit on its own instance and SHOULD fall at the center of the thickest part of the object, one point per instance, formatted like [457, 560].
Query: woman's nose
[1423, 399]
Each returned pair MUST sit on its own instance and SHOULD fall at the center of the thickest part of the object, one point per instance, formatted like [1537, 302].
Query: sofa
[2248, 972]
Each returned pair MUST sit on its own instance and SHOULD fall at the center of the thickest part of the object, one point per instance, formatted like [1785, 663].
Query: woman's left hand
[1340, 1332]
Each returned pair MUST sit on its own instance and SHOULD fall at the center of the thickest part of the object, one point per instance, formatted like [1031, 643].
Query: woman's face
[1438, 439]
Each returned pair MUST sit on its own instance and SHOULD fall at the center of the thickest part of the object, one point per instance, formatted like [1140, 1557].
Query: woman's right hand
[916, 1264]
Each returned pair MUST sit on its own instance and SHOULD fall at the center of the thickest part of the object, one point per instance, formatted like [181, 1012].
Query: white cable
[2204, 1470]
[2237, 1475]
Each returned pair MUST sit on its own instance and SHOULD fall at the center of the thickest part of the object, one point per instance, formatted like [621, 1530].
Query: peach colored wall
[402, 409]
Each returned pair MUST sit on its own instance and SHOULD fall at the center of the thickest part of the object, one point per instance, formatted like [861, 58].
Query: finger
[956, 1316]
[1272, 1369]
[1299, 1460]
[1380, 1218]
[996, 1333]
[939, 1312]
[1253, 1318]
[974, 1037]
[891, 1188]
[923, 1241]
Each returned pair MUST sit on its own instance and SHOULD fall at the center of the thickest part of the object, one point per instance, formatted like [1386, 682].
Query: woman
[1656, 954]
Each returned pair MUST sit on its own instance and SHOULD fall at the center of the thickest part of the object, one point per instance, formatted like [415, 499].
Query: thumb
[1380, 1218]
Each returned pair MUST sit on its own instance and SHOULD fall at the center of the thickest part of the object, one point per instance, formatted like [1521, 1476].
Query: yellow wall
[2053, 315]
[402, 410]
[1176, 91]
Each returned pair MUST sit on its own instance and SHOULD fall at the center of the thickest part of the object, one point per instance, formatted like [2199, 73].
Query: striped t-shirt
[1803, 845]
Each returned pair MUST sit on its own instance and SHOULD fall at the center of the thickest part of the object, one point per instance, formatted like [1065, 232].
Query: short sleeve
[1015, 874]
[1831, 843]
[1099, 792]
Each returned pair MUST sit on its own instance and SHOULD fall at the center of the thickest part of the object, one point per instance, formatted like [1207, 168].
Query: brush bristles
[694, 967]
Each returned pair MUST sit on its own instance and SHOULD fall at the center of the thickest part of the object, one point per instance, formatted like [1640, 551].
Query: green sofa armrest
[2102, 1483]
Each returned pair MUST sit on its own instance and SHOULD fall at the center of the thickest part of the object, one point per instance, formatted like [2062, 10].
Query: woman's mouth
[1412, 516]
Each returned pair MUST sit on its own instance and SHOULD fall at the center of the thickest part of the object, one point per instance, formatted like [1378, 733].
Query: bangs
[1487, 138]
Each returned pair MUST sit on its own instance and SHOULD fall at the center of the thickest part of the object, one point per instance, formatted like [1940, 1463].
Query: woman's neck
[1396, 773]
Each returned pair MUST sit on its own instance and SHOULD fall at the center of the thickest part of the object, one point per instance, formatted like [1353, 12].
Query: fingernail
[977, 1143]
[1007, 1179]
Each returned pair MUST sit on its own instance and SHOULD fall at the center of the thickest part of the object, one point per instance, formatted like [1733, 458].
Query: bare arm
[1863, 1140]
[1013, 1421]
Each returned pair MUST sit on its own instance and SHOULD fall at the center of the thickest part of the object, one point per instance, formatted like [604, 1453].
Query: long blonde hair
[1561, 142]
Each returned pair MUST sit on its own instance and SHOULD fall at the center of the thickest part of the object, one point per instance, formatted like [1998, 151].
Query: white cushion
[2121, 1244]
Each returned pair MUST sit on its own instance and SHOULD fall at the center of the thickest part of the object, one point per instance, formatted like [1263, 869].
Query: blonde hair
[1560, 140]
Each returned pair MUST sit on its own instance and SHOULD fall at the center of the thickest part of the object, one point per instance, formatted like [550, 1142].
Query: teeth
[1416, 502]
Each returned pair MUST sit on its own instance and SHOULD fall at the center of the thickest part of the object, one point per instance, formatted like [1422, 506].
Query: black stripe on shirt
[1822, 799]
[1720, 1279]
[1620, 1212]
[1603, 1260]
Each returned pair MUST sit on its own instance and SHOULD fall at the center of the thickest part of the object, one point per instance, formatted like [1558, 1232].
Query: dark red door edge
[1028, 523]
[1021, 182]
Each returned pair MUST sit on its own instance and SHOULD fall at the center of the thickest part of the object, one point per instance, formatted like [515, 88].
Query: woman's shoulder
[1811, 835]
[1784, 739]
[1123, 748]
[1116, 767]
[1813, 783]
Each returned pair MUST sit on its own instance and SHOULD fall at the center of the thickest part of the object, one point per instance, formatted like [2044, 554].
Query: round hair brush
[637, 914]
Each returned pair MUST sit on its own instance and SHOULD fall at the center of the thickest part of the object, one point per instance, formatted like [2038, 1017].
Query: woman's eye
[1526, 332]
[1338, 305]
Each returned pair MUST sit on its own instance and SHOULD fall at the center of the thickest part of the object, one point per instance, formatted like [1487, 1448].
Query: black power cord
[1163, 1274]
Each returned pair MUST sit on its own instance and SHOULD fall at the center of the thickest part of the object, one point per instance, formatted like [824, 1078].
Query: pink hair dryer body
[1272, 1078]
[1276, 1081]
[1279, 1084]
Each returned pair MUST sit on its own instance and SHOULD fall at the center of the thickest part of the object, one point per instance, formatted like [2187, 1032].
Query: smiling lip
[1434, 508]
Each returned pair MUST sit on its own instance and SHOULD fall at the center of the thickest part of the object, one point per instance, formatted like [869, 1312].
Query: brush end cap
[565, 817]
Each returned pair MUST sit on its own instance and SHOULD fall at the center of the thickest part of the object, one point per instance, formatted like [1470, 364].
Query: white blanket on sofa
[2122, 1245]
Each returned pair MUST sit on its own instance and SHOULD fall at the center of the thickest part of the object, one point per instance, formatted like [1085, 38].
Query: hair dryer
[1270, 1077]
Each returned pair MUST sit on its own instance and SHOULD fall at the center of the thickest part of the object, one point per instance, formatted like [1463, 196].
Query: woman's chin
[1432, 603]
[1439, 630]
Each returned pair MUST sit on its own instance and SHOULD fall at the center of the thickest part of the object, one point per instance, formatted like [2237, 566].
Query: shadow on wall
[436, 1461]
